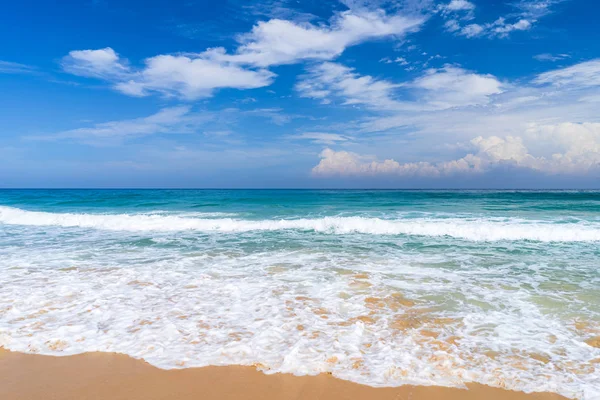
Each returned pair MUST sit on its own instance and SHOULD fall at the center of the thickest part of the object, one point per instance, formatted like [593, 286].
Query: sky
[300, 94]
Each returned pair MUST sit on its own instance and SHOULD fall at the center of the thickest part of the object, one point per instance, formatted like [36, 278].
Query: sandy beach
[95, 376]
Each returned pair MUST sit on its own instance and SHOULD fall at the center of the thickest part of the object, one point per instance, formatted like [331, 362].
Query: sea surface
[382, 288]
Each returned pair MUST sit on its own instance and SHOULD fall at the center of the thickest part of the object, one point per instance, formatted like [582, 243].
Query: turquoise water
[379, 287]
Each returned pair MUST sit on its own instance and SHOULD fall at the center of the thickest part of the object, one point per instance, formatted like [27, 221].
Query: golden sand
[105, 376]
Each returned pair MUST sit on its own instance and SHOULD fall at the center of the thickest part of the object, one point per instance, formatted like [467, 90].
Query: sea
[378, 287]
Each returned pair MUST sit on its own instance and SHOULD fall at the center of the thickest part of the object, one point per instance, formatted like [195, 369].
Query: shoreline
[99, 376]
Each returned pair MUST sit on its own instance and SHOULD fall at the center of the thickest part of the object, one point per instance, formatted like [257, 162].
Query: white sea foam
[475, 229]
[292, 312]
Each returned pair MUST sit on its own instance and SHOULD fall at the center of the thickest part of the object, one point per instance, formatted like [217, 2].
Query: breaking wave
[473, 229]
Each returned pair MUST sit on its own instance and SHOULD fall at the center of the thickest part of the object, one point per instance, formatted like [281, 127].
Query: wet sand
[95, 376]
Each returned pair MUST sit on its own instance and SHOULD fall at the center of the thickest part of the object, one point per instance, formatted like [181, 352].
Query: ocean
[382, 288]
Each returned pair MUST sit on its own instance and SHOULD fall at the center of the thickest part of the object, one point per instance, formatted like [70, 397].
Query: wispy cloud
[276, 115]
[168, 120]
[535, 9]
[551, 57]
[8, 67]
[585, 74]
[320, 137]
[328, 81]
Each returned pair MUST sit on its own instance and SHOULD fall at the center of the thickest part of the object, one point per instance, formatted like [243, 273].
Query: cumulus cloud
[576, 145]
[580, 145]
[344, 163]
[183, 76]
[191, 78]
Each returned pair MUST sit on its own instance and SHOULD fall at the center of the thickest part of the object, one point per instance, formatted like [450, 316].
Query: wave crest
[474, 229]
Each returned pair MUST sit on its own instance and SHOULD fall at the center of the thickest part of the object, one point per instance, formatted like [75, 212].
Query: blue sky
[277, 93]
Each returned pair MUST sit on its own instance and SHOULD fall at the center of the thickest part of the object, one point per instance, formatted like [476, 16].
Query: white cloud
[457, 9]
[576, 145]
[277, 41]
[343, 163]
[585, 74]
[191, 78]
[168, 120]
[471, 30]
[320, 137]
[447, 87]
[535, 8]
[459, 5]
[499, 28]
[561, 95]
[529, 12]
[102, 63]
[398, 60]
[452, 25]
[550, 125]
[8, 67]
[272, 42]
[331, 80]
[551, 57]
[580, 144]
[452, 86]
[401, 60]
[182, 76]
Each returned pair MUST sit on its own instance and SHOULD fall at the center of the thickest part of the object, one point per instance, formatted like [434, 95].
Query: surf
[465, 228]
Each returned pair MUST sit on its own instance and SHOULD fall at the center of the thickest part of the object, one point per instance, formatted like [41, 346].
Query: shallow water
[377, 287]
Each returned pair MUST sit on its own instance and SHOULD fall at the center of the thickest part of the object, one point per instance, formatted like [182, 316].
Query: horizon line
[293, 188]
